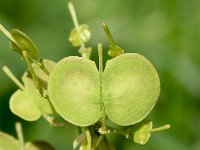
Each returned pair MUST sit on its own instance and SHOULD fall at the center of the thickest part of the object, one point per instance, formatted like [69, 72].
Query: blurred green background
[167, 32]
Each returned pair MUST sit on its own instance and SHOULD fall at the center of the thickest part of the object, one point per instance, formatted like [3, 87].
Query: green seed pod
[85, 35]
[74, 90]
[7, 142]
[131, 88]
[24, 105]
[115, 51]
[42, 104]
[142, 135]
[24, 43]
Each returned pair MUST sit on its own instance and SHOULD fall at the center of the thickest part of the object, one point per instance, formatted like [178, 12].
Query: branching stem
[35, 79]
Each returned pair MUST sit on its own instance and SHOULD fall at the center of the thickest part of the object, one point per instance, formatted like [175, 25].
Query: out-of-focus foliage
[167, 32]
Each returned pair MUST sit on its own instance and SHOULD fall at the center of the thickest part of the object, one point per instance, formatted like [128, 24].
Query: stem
[8, 72]
[102, 109]
[35, 79]
[79, 130]
[101, 138]
[89, 141]
[44, 68]
[108, 34]
[52, 121]
[165, 127]
[75, 20]
[7, 33]
[20, 136]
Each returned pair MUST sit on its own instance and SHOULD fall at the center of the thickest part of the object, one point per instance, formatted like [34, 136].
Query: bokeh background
[167, 32]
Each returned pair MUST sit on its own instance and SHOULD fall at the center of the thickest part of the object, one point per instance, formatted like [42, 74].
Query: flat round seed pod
[24, 105]
[73, 89]
[38, 145]
[7, 142]
[24, 43]
[131, 88]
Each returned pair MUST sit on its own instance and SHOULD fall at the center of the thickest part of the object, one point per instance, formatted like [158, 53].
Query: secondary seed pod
[7, 142]
[28, 104]
[24, 43]
[142, 135]
[38, 145]
[85, 35]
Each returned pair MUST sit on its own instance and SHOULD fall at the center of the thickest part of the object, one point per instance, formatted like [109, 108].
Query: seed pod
[85, 35]
[142, 135]
[24, 43]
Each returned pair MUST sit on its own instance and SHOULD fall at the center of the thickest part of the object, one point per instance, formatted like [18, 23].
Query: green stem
[109, 36]
[42, 66]
[89, 140]
[101, 138]
[102, 109]
[7, 34]
[79, 130]
[76, 24]
[165, 127]
[20, 136]
[35, 79]
[52, 121]
[12, 77]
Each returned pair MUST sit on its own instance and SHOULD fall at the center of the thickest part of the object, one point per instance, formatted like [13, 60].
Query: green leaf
[24, 43]
[142, 135]
[23, 105]
[38, 145]
[7, 142]
[131, 88]
[74, 90]
[85, 35]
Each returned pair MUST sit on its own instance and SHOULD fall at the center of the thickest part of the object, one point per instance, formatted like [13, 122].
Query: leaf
[74, 90]
[38, 145]
[24, 43]
[142, 135]
[85, 35]
[7, 142]
[23, 105]
[130, 88]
